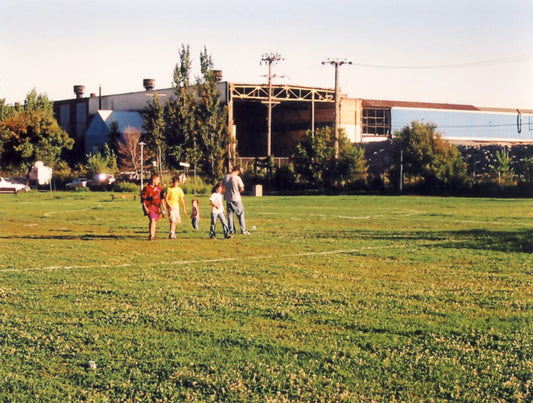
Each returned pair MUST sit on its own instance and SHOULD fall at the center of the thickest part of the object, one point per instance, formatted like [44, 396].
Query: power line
[465, 126]
[449, 66]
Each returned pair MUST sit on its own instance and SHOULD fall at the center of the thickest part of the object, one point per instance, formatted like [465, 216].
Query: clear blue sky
[457, 51]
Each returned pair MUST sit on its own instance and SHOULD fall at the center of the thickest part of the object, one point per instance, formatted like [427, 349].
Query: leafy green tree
[31, 133]
[313, 156]
[351, 165]
[154, 127]
[213, 136]
[101, 162]
[180, 112]
[429, 159]
[316, 166]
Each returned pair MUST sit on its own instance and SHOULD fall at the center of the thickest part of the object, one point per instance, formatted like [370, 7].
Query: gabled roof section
[124, 119]
[104, 114]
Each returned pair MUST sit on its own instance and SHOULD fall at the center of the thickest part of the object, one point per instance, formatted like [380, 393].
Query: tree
[315, 163]
[104, 162]
[427, 158]
[128, 149]
[192, 125]
[213, 136]
[154, 126]
[31, 133]
[351, 165]
[180, 114]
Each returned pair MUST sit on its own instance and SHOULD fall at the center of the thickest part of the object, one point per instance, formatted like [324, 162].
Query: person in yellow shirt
[174, 197]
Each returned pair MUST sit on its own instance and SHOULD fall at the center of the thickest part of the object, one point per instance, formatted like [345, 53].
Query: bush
[429, 163]
[62, 174]
[189, 187]
[316, 166]
[81, 189]
[285, 178]
[127, 187]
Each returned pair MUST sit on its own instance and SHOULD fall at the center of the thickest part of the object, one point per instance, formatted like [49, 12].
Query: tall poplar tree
[213, 136]
[180, 114]
[154, 127]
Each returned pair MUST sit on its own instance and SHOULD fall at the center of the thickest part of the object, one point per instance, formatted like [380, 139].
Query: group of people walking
[156, 203]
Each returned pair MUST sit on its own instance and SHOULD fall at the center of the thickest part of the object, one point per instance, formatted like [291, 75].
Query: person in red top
[151, 202]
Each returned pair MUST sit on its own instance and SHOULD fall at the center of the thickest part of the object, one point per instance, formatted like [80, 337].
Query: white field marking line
[50, 213]
[186, 262]
[405, 213]
[368, 217]
[399, 216]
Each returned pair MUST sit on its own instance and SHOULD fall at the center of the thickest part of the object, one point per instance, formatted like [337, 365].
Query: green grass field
[341, 298]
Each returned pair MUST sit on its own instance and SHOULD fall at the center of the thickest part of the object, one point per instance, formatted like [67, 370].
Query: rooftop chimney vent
[218, 74]
[148, 84]
[78, 90]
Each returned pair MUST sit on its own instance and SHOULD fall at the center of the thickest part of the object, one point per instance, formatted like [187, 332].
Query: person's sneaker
[212, 237]
[172, 236]
[228, 236]
[246, 233]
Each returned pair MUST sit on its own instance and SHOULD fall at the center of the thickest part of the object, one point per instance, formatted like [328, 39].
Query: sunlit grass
[344, 298]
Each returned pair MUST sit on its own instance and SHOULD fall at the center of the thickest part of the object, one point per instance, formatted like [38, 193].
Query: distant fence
[250, 161]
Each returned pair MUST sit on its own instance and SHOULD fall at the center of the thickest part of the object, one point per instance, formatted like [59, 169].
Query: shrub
[104, 162]
[316, 166]
[62, 174]
[190, 187]
[285, 178]
[429, 162]
[127, 187]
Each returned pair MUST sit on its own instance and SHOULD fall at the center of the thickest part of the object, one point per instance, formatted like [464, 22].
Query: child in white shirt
[217, 211]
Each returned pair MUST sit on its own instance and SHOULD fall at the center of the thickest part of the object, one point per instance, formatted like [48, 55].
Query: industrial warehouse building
[295, 110]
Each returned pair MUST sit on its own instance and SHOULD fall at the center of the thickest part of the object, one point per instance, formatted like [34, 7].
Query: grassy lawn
[340, 298]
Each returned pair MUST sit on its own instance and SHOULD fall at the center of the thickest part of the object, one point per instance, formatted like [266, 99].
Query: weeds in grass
[330, 299]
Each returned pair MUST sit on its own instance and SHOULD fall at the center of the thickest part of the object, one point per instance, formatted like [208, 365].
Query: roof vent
[218, 74]
[148, 84]
[78, 90]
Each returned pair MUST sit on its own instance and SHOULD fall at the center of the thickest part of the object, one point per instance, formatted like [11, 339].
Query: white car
[11, 186]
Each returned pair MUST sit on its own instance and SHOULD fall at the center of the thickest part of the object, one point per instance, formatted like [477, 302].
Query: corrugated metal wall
[468, 125]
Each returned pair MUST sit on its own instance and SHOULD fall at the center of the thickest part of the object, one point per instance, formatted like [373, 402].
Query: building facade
[297, 109]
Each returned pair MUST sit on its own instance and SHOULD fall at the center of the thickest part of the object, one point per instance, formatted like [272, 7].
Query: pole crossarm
[280, 93]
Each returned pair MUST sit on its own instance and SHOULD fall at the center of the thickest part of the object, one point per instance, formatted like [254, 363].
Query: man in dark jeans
[233, 186]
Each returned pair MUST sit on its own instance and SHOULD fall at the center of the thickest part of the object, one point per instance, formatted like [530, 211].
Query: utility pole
[142, 144]
[337, 63]
[270, 58]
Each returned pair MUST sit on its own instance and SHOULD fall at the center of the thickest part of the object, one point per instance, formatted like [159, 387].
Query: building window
[376, 121]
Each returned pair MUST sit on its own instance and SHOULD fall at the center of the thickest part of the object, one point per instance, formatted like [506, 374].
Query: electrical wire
[464, 126]
[450, 66]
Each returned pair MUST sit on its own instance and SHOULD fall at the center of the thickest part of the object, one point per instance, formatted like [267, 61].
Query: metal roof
[124, 119]
[375, 103]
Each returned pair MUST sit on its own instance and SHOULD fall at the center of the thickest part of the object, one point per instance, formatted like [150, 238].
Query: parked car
[130, 176]
[101, 182]
[12, 186]
[77, 183]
